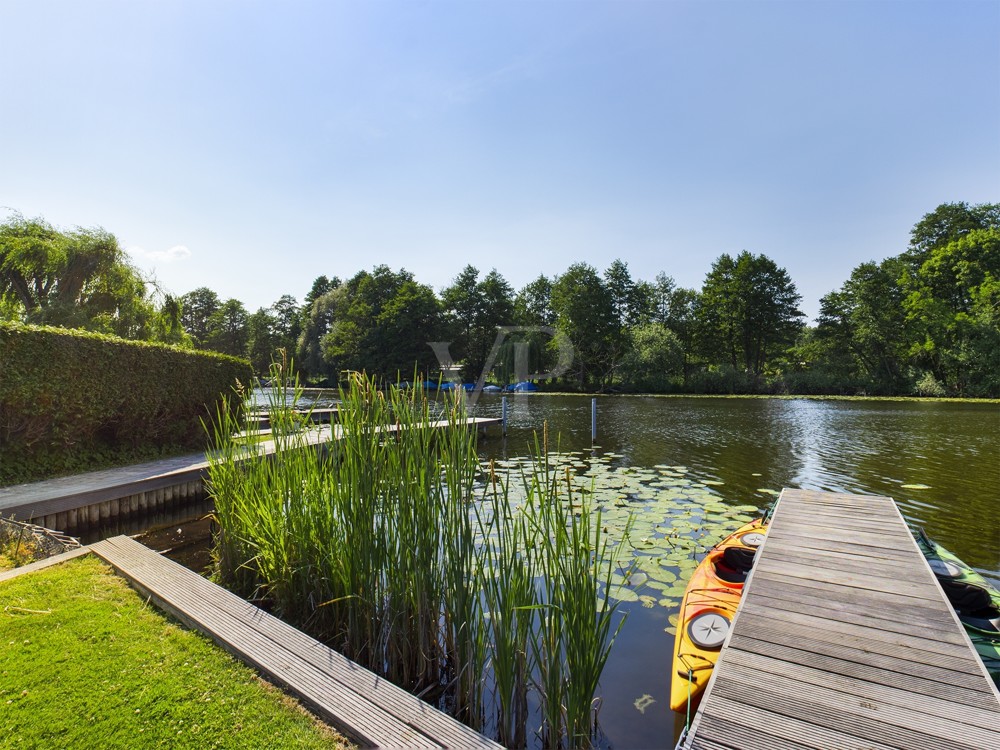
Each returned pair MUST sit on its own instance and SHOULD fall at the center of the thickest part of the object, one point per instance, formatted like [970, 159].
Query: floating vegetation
[915, 486]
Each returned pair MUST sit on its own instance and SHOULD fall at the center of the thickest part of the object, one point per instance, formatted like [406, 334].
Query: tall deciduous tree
[865, 321]
[747, 312]
[949, 302]
[76, 279]
[383, 325]
[228, 332]
[198, 307]
[585, 313]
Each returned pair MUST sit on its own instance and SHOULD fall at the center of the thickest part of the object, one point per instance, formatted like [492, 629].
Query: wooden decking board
[937, 630]
[850, 654]
[51, 496]
[912, 650]
[774, 735]
[843, 639]
[830, 712]
[869, 671]
[750, 666]
[943, 641]
[851, 556]
[361, 704]
[340, 668]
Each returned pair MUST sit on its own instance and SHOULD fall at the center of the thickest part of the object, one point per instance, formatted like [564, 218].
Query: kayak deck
[843, 638]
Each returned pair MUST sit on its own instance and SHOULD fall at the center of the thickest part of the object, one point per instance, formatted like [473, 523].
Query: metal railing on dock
[843, 639]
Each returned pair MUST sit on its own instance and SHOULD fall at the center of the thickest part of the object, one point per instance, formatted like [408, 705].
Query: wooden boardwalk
[368, 709]
[64, 503]
[843, 639]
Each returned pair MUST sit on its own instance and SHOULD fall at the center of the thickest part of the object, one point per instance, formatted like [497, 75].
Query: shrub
[72, 400]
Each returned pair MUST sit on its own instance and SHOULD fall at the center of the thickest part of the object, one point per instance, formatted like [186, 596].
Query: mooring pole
[593, 421]
[503, 414]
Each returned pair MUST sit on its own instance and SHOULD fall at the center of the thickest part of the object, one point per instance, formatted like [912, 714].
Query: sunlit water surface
[940, 462]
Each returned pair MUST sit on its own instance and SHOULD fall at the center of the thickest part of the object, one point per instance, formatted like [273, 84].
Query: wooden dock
[366, 708]
[86, 501]
[843, 639]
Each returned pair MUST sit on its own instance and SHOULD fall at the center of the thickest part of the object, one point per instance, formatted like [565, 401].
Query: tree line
[924, 322]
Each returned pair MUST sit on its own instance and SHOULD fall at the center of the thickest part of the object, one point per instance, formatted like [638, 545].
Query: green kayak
[976, 602]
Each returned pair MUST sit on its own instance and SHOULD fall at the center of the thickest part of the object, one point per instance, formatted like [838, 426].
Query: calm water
[752, 446]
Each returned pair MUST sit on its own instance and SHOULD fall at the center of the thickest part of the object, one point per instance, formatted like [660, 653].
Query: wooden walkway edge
[38, 501]
[843, 639]
[365, 707]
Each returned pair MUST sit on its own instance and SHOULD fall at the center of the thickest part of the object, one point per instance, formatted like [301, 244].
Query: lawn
[85, 662]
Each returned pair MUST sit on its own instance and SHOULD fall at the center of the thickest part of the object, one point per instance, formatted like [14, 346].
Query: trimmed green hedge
[73, 400]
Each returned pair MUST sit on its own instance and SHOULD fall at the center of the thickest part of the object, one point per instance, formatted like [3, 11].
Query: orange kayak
[709, 604]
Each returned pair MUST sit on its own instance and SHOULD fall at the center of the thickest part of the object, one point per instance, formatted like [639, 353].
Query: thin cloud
[175, 253]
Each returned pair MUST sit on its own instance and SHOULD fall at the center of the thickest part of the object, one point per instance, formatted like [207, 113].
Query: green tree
[747, 313]
[322, 312]
[287, 323]
[263, 340]
[384, 323]
[198, 307]
[655, 359]
[77, 279]
[948, 302]
[946, 224]
[864, 323]
[228, 332]
[585, 313]
[475, 310]
[169, 325]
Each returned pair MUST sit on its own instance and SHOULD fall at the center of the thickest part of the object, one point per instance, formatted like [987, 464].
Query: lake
[940, 461]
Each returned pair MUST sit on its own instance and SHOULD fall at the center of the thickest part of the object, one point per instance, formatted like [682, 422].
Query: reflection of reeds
[376, 544]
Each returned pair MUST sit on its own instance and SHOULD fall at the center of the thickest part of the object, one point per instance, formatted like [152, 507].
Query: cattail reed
[381, 542]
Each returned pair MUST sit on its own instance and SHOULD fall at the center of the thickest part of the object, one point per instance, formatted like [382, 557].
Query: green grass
[85, 662]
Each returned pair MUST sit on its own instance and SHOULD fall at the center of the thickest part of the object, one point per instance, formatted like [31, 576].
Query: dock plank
[364, 706]
[844, 639]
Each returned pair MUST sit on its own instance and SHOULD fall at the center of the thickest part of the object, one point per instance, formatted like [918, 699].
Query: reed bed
[391, 544]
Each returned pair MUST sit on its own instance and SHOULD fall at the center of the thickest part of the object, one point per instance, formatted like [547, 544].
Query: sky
[251, 147]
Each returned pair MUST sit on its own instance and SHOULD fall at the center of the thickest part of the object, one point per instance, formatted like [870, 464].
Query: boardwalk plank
[354, 699]
[843, 639]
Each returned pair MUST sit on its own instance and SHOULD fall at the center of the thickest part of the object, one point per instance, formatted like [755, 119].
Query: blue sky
[251, 147]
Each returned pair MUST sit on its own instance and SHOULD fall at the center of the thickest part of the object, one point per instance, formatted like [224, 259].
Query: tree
[946, 224]
[169, 325]
[864, 321]
[198, 307]
[263, 340]
[747, 312]
[949, 303]
[77, 279]
[585, 313]
[228, 332]
[383, 325]
[287, 317]
[655, 357]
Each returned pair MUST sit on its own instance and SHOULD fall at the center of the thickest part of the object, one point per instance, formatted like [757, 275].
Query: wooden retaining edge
[368, 709]
[48, 562]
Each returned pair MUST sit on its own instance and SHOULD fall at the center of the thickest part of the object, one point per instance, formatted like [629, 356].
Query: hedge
[74, 400]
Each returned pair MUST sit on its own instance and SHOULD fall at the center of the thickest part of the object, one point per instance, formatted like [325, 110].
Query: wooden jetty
[365, 707]
[87, 501]
[843, 639]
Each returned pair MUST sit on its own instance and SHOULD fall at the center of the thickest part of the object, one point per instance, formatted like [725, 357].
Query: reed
[383, 543]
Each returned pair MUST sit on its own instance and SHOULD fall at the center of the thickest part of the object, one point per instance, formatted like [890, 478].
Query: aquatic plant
[379, 536]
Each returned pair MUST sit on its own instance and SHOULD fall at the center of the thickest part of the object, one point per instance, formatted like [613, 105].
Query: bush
[72, 400]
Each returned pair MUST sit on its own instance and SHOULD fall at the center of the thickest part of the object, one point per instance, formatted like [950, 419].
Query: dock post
[503, 415]
[593, 421]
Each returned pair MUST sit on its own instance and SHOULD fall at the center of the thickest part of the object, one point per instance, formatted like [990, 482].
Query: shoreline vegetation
[924, 321]
[87, 663]
[401, 551]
